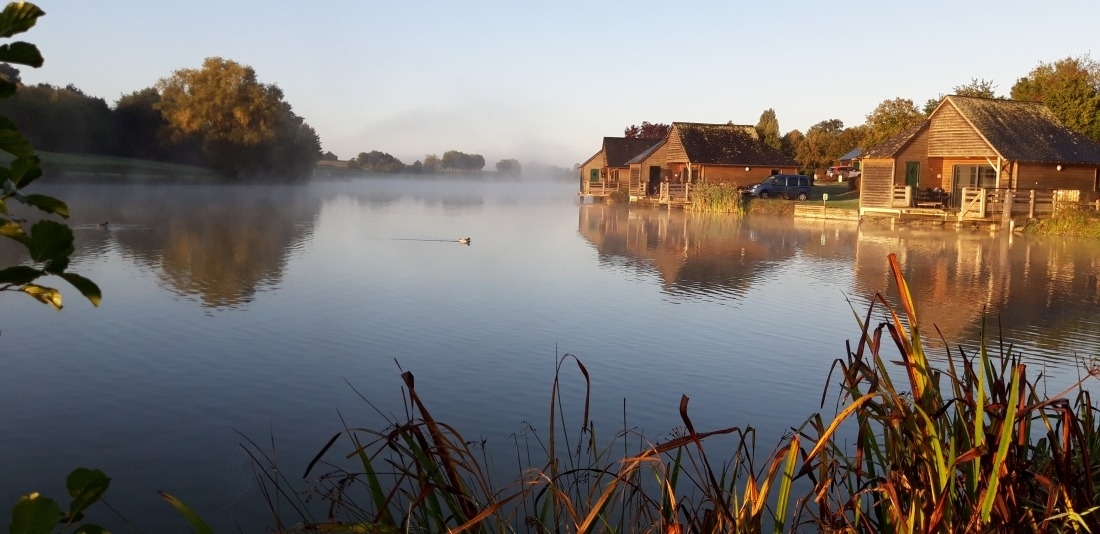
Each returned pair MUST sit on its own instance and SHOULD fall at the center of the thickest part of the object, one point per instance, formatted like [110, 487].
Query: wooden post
[910, 201]
[663, 194]
[1031, 206]
[982, 203]
[1006, 213]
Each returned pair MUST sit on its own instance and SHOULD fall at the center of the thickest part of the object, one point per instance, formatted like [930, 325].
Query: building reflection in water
[1036, 291]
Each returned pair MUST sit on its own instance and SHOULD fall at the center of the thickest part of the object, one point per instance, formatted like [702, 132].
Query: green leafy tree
[981, 88]
[768, 129]
[1070, 87]
[889, 118]
[244, 127]
[822, 145]
[49, 243]
[139, 127]
[790, 143]
[648, 130]
[61, 119]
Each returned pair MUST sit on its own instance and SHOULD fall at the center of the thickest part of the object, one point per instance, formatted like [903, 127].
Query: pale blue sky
[547, 81]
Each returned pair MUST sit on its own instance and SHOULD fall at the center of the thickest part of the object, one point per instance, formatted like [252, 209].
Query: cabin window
[984, 176]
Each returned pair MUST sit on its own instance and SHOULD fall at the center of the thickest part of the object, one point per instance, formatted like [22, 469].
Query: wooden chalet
[606, 171]
[981, 158]
[697, 153]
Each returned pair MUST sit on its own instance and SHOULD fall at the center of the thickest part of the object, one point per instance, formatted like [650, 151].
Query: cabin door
[912, 175]
[654, 179]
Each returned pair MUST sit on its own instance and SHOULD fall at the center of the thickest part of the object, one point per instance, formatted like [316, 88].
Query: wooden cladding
[950, 135]
[877, 183]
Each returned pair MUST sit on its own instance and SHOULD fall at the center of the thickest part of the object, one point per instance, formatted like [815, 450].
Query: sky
[546, 81]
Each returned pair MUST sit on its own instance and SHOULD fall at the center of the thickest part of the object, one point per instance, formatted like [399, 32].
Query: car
[795, 186]
[841, 172]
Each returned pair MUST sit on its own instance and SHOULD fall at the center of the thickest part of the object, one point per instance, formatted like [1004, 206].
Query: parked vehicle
[841, 172]
[793, 186]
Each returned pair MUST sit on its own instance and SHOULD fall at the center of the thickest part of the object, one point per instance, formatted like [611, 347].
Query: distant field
[110, 166]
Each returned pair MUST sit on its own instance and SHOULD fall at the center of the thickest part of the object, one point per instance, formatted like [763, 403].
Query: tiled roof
[890, 146]
[1025, 131]
[728, 144]
[620, 150]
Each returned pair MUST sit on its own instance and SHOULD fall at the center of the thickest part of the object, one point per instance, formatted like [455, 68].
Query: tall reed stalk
[969, 447]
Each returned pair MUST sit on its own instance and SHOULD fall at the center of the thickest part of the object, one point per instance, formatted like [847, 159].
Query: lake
[262, 312]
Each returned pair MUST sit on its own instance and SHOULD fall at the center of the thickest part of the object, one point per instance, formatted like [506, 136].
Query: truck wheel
[803, 196]
[765, 194]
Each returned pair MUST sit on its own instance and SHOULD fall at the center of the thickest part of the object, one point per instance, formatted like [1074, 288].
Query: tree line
[218, 116]
[452, 160]
[1070, 87]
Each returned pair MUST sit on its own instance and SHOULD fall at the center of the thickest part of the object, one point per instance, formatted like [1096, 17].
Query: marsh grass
[722, 198]
[969, 447]
[1068, 222]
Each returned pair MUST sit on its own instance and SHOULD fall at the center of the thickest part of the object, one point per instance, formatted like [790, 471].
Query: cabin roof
[728, 144]
[647, 152]
[1025, 131]
[892, 145]
[852, 154]
[620, 150]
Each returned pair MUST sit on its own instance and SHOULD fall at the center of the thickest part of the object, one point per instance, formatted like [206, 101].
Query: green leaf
[48, 204]
[86, 287]
[21, 53]
[14, 231]
[56, 266]
[25, 170]
[19, 275]
[7, 124]
[86, 487]
[50, 240]
[45, 295]
[34, 514]
[18, 17]
[15, 144]
[197, 523]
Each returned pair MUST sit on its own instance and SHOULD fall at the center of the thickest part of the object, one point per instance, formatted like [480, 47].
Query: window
[983, 176]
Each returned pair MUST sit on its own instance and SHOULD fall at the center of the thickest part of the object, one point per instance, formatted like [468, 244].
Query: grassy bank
[970, 445]
[86, 165]
[1067, 222]
[725, 198]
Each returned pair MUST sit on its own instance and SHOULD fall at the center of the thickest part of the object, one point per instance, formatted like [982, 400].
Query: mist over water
[248, 310]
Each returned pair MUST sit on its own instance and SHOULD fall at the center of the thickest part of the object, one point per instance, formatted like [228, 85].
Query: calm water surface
[235, 312]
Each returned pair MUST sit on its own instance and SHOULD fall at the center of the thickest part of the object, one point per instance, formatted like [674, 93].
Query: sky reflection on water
[254, 310]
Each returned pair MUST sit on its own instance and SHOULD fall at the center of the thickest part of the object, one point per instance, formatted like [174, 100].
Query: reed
[723, 198]
[968, 446]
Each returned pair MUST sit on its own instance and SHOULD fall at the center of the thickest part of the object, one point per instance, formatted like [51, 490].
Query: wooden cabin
[607, 170]
[700, 153]
[970, 144]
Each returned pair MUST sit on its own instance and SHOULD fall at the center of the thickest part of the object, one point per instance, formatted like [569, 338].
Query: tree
[768, 129]
[889, 118]
[62, 119]
[1070, 87]
[431, 163]
[790, 143]
[822, 145]
[647, 130]
[978, 88]
[139, 126]
[244, 127]
[49, 243]
[509, 166]
[10, 73]
[460, 161]
[376, 161]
